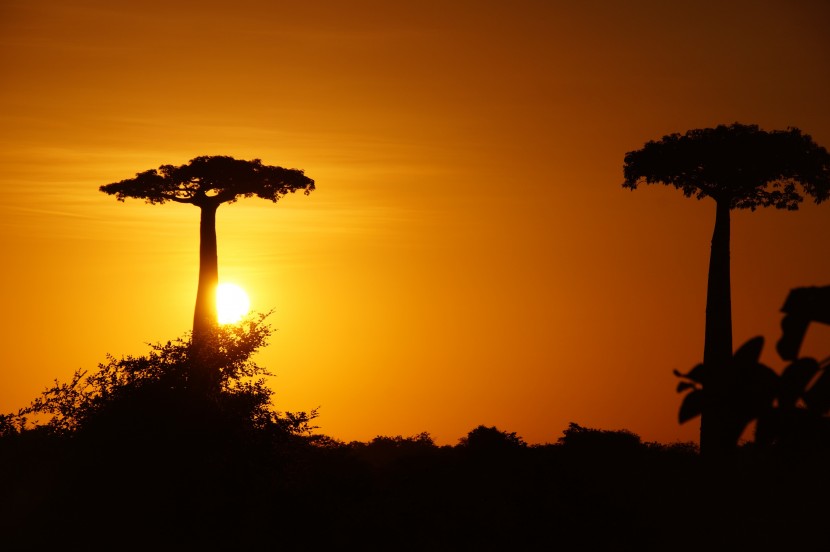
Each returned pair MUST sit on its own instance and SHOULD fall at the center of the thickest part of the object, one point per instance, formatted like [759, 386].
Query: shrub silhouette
[791, 409]
[748, 386]
[134, 447]
[385, 451]
[491, 440]
[598, 441]
[153, 393]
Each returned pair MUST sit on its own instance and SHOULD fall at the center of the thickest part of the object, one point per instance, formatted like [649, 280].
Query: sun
[232, 303]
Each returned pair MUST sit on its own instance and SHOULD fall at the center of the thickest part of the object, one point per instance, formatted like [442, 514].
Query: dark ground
[593, 490]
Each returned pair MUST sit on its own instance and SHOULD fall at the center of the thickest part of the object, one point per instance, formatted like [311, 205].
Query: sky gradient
[469, 255]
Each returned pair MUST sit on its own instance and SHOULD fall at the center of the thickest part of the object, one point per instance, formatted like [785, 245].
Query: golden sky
[469, 256]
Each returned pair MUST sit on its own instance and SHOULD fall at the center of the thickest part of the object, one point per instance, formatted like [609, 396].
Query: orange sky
[469, 256]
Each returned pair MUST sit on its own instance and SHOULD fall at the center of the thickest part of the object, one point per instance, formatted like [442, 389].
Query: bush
[155, 392]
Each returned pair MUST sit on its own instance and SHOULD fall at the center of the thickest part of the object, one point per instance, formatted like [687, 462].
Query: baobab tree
[739, 167]
[207, 182]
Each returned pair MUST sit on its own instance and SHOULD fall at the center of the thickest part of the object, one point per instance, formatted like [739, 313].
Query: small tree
[739, 167]
[491, 440]
[207, 182]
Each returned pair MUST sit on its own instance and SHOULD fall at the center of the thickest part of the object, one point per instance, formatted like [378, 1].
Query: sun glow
[232, 303]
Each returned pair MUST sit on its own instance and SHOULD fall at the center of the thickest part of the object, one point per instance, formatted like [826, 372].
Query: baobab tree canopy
[211, 180]
[741, 164]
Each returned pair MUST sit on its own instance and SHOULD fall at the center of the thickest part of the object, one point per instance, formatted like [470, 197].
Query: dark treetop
[211, 180]
[741, 164]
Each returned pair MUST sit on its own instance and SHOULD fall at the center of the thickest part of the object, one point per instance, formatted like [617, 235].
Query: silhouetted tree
[598, 440]
[149, 394]
[385, 451]
[207, 182]
[739, 167]
[490, 440]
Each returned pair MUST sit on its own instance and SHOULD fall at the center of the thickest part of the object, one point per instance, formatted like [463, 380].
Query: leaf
[683, 385]
[794, 379]
[691, 406]
[761, 378]
[749, 352]
[697, 373]
[793, 328]
[818, 396]
[760, 384]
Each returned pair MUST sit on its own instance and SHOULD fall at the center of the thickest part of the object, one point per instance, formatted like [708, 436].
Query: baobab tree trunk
[204, 317]
[203, 377]
[715, 433]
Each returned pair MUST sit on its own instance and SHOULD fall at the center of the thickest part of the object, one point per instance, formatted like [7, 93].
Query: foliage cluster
[156, 388]
[791, 410]
[215, 179]
[741, 164]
